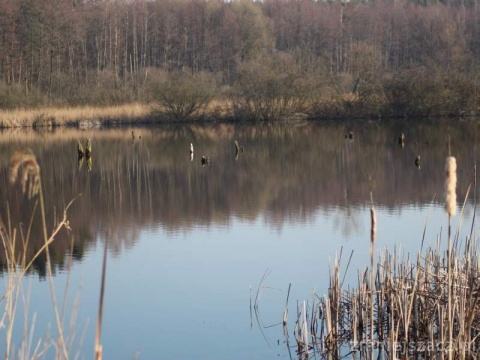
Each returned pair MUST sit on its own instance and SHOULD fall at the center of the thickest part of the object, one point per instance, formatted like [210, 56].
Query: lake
[189, 243]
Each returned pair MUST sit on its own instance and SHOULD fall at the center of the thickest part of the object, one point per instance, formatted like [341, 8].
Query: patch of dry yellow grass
[65, 116]
[219, 107]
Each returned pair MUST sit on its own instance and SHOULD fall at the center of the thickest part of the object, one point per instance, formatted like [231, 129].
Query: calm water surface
[189, 244]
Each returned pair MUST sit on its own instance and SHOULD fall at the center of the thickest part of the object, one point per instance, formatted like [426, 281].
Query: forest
[264, 60]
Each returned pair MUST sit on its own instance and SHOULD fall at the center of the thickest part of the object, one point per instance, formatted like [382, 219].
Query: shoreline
[90, 117]
[82, 117]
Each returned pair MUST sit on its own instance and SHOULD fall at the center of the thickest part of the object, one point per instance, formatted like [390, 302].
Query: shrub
[430, 92]
[182, 95]
[271, 88]
[17, 96]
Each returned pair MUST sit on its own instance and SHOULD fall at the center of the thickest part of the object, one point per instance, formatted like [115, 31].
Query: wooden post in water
[81, 153]
[88, 148]
[238, 149]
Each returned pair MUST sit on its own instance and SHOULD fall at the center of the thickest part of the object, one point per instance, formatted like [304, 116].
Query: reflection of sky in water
[185, 294]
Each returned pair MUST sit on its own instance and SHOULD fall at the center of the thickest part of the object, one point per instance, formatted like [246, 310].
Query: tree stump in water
[88, 148]
[205, 160]
[81, 153]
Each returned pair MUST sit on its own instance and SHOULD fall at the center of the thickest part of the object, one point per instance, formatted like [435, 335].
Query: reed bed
[410, 300]
[80, 116]
[25, 175]
[424, 305]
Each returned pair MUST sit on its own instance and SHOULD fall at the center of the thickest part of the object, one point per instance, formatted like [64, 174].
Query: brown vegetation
[271, 59]
[86, 116]
[425, 306]
[20, 254]
[420, 306]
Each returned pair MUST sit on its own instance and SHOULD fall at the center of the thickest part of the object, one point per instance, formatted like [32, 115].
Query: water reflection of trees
[287, 173]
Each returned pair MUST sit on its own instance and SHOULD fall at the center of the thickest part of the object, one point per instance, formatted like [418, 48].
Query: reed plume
[24, 169]
[450, 186]
[451, 209]
[373, 227]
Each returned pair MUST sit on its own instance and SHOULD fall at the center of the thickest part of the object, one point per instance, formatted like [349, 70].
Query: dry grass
[25, 173]
[89, 116]
[73, 116]
[220, 108]
[401, 306]
[411, 303]
[25, 170]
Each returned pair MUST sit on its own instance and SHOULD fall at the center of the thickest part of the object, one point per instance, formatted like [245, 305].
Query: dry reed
[373, 234]
[72, 116]
[25, 173]
[425, 305]
[451, 209]
[98, 334]
[450, 186]
[24, 170]
[410, 310]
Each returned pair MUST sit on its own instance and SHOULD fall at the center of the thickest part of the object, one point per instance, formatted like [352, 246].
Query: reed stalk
[425, 305]
[373, 234]
[25, 173]
[451, 209]
[98, 342]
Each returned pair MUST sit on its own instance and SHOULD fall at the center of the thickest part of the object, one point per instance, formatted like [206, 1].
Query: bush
[103, 89]
[271, 88]
[16, 96]
[182, 95]
[430, 92]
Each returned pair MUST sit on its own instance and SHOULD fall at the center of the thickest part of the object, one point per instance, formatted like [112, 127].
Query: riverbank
[92, 117]
[87, 116]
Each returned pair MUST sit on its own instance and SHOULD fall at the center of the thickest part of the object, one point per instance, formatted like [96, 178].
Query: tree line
[269, 59]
